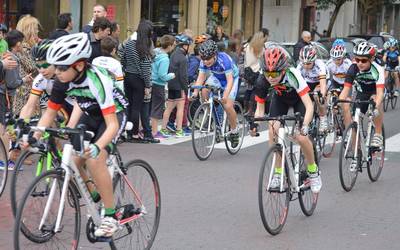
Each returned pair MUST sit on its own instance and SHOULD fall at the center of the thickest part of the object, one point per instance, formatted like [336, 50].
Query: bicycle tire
[329, 140]
[393, 102]
[306, 196]
[241, 126]
[202, 151]
[193, 106]
[273, 227]
[347, 136]
[16, 178]
[316, 137]
[47, 236]
[123, 188]
[375, 172]
[386, 101]
[4, 169]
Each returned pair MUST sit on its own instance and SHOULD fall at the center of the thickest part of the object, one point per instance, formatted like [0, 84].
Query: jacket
[193, 68]
[12, 79]
[178, 65]
[159, 68]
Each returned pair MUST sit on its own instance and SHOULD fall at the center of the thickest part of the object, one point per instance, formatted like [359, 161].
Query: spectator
[304, 40]
[189, 33]
[3, 43]
[107, 60]
[115, 31]
[98, 11]
[265, 32]
[253, 52]
[177, 87]
[159, 78]
[219, 35]
[64, 26]
[101, 29]
[29, 26]
[136, 62]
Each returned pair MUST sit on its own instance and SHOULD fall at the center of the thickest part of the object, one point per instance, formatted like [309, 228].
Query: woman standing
[136, 61]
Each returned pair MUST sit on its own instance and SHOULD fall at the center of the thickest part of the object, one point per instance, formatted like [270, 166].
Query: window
[219, 12]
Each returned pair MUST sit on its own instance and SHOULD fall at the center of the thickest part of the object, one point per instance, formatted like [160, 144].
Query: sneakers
[171, 127]
[164, 132]
[11, 165]
[159, 136]
[107, 228]
[275, 182]
[315, 181]
[353, 166]
[234, 138]
[151, 139]
[377, 141]
[180, 133]
[323, 125]
[396, 93]
[187, 131]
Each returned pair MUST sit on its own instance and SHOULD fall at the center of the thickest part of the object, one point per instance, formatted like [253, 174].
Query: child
[109, 47]
[159, 78]
[3, 43]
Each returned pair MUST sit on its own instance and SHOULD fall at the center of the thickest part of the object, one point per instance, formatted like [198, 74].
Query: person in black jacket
[101, 29]
[304, 40]
[177, 87]
[64, 26]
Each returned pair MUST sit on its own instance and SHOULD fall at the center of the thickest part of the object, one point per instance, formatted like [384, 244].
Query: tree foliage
[325, 4]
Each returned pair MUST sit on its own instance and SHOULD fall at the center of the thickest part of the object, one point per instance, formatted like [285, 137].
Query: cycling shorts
[213, 81]
[280, 105]
[363, 97]
[312, 85]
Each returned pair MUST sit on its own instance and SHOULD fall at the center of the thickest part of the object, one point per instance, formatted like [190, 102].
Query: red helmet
[274, 59]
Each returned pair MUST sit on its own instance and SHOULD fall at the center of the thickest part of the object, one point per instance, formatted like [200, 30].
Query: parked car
[377, 39]
[349, 44]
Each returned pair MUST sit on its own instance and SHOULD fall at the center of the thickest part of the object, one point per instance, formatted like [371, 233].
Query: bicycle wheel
[137, 191]
[241, 127]
[27, 231]
[393, 101]
[24, 174]
[329, 140]
[307, 199]
[316, 137]
[376, 158]
[3, 167]
[386, 100]
[203, 132]
[193, 106]
[273, 205]
[348, 174]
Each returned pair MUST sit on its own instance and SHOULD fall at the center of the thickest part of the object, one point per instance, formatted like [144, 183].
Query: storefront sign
[111, 8]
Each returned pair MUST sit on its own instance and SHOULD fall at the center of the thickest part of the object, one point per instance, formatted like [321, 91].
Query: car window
[377, 41]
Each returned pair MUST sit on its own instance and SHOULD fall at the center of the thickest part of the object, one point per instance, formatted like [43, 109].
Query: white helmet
[69, 49]
[338, 52]
[364, 49]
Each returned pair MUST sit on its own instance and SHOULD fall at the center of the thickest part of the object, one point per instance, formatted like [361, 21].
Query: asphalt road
[213, 204]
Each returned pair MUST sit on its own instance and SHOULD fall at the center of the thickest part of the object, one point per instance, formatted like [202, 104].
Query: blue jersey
[222, 67]
[392, 56]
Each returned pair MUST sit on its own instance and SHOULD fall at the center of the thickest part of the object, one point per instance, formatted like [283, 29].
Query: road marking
[393, 143]
[248, 140]
[174, 140]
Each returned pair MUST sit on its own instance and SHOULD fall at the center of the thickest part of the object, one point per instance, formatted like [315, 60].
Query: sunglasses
[307, 63]
[361, 60]
[272, 74]
[43, 65]
[206, 58]
[62, 68]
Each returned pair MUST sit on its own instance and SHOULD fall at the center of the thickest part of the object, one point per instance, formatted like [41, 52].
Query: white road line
[393, 143]
[248, 140]
[173, 140]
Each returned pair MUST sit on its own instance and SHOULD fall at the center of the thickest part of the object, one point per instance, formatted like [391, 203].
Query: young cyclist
[314, 72]
[222, 72]
[43, 84]
[98, 104]
[287, 89]
[392, 59]
[370, 83]
[337, 66]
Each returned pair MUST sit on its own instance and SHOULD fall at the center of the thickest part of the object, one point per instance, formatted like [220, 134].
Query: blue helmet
[392, 42]
[338, 42]
[183, 40]
[3, 27]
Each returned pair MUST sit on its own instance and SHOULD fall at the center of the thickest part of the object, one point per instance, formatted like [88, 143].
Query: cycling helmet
[208, 49]
[69, 49]
[392, 42]
[308, 54]
[386, 45]
[3, 27]
[200, 39]
[338, 42]
[338, 52]
[274, 59]
[183, 40]
[364, 49]
[38, 52]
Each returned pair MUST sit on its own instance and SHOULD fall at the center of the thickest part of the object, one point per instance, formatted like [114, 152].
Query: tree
[325, 4]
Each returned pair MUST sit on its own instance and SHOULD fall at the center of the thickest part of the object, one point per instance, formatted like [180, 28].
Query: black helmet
[38, 52]
[3, 27]
[208, 49]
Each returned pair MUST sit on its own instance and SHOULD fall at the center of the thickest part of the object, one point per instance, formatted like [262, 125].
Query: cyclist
[369, 81]
[288, 89]
[43, 84]
[392, 59]
[314, 72]
[98, 104]
[337, 66]
[222, 72]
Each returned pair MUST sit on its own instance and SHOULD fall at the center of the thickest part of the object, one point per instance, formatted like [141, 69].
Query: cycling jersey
[113, 66]
[338, 73]
[392, 59]
[94, 93]
[315, 74]
[222, 67]
[367, 81]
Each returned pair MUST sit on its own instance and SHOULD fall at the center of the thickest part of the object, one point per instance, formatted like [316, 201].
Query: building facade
[168, 16]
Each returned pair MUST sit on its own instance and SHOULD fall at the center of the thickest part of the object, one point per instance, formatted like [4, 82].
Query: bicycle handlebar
[356, 102]
[296, 117]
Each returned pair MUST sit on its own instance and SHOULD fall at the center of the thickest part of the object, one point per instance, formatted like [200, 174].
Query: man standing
[101, 29]
[64, 26]
[115, 31]
[304, 40]
[98, 11]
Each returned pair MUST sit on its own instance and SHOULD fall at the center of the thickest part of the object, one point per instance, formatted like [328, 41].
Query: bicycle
[317, 137]
[335, 124]
[294, 177]
[61, 189]
[390, 90]
[356, 147]
[210, 125]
